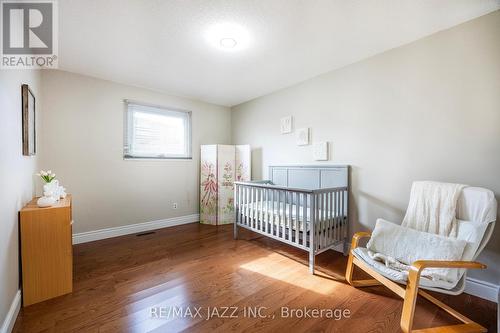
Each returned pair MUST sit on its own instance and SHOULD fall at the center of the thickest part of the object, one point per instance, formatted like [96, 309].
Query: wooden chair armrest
[357, 237]
[419, 265]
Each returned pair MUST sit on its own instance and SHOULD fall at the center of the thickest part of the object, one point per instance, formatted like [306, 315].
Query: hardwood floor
[121, 284]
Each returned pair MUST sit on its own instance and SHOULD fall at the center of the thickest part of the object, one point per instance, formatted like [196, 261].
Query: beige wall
[82, 142]
[16, 177]
[427, 110]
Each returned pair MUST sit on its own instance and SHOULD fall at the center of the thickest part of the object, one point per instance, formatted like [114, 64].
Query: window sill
[157, 159]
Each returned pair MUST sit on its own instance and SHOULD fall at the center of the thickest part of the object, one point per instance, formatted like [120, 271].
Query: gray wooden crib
[303, 206]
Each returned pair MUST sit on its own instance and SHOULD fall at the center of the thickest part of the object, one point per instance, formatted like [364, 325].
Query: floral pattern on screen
[227, 177]
[208, 200]
[241, 173]
[228, 184]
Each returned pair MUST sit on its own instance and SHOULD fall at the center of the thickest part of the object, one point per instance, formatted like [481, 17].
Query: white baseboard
[91, 236]
[482, 289]
[10, 319]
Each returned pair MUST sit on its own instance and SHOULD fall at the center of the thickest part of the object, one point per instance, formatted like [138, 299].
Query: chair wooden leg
[357, 283]
[350, 269]
[410, 299]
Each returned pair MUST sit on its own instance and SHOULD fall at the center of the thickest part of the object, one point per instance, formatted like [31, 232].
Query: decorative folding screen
[221, 165]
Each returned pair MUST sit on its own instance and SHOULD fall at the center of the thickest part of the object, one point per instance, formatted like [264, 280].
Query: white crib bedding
[277, 212]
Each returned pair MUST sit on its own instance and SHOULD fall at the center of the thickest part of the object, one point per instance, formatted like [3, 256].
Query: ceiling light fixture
[227, 36]
[228, 43]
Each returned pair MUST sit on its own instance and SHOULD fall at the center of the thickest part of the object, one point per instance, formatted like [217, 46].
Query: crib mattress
[277, 212]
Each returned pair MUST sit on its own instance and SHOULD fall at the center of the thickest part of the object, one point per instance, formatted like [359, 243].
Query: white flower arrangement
[47, 176]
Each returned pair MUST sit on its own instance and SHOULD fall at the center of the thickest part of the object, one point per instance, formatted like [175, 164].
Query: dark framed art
[29, 121]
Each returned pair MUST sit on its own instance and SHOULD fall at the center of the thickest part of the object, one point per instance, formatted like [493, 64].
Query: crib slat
[244, 217]
[261, 209]
[319, 207]
[318, 222]
[344, 229]
[290, 215]
[304, 220]
[266, 211]
[326, 229]
[249, 205]
[237, 204]
[256, 211]
[341, 215]
[278, 214]
[297, 215]
[311, 220]
[314, 224]
[334, 212]
[272, 212]
[337, 215]
[257, 208]
[322, 230]
[289, 219]
[330, 216]
[322, 223]
[327, 218]
[253, 190]
[283, 214]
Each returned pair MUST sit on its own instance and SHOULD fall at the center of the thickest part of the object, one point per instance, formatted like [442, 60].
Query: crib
[303, 206]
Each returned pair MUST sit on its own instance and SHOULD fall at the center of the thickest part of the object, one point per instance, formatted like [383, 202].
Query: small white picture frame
[303, 136]
[320, 151]
[286, 125]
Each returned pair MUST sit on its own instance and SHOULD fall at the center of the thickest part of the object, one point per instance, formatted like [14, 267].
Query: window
[156, 132]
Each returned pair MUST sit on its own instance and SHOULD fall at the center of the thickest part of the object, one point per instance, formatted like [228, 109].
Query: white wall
[16, 177]
[82, 142]
[427, 110]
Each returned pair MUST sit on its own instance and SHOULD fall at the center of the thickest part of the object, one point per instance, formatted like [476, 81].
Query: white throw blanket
[432, 208]
[398, 247]
[428, 231]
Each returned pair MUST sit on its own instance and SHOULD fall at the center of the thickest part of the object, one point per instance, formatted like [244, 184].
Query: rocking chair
[476, 215]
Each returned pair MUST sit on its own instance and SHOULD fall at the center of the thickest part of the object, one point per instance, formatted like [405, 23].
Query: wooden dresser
[46, 251]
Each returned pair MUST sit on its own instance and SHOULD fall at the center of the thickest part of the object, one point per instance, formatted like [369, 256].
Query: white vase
[46, 201]
[52, 189]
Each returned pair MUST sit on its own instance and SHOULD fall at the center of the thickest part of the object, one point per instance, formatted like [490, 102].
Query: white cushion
[391, 241]
[472, 233]
[476, 204]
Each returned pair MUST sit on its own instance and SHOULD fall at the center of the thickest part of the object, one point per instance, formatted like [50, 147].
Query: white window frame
[157, 109]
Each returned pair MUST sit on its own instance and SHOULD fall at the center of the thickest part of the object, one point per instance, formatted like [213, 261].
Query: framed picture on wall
[29, 121]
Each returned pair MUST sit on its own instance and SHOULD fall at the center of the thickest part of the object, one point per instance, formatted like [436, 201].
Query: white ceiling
[161, 44]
